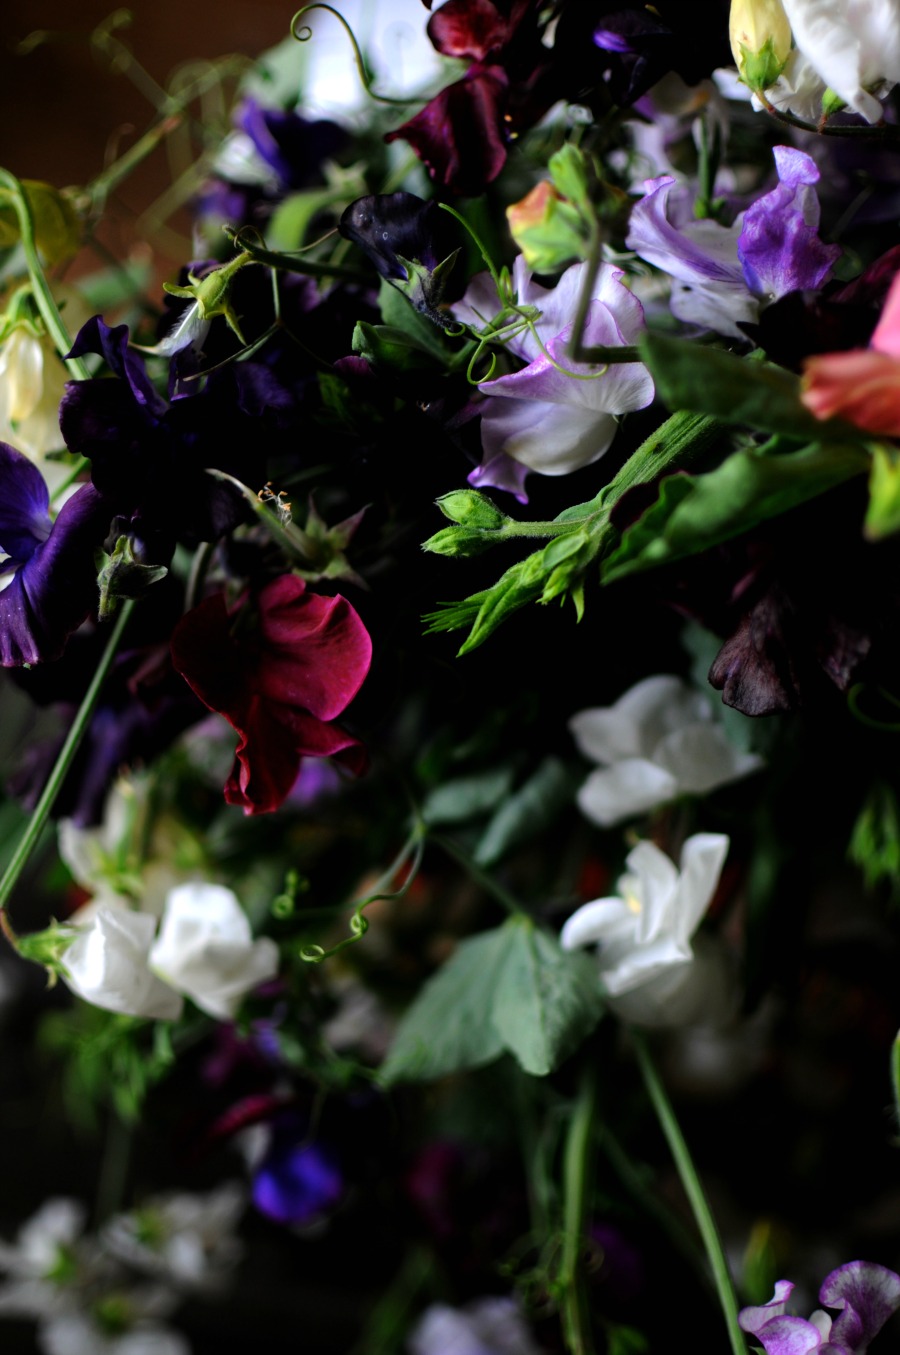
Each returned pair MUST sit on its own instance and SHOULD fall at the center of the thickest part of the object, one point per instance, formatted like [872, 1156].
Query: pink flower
[862, 385]
[279, 677]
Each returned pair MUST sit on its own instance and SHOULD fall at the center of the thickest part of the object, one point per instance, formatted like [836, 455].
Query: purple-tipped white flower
[555, 416]
[658, 741]
[644, 933]
[866, 1295]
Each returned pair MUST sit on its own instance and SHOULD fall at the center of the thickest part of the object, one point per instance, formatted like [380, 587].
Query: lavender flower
[866, 1295]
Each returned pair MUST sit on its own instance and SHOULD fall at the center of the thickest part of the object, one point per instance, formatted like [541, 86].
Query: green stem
[289, 264]
[576, 1176]
[42, 294]
[481, 877]
[694, 1191]
[42, 809]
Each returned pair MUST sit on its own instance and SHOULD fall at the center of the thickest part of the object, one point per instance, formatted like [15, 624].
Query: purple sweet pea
[542, 417]
[297, 1181]
[724, 273]
[865, 1294]
[779, 246]
[54, 587]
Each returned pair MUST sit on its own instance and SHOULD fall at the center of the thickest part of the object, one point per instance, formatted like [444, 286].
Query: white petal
[632, 786]
[595, 922]
[107, 966]
[702, 859]
[700, 758]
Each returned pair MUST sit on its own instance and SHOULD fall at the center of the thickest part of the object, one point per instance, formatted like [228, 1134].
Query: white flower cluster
[108, 1293]
[203, 949]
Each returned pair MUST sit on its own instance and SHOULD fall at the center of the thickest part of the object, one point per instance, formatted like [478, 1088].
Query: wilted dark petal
[475, 28]
[385, 225]
[24, 506]
[460, 136]
[55, 590]
[754, 669]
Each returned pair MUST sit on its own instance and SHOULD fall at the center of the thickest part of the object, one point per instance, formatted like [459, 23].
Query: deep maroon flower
[463, 133]
[279, 675]
[461, 136]
[54, 587]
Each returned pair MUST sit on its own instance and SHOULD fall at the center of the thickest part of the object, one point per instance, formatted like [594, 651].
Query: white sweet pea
[658, 741]
[43, 1260]
[853, 46]
[644, 933]
[488, 1326]
[107, 966]
[80, 1334]
[188, 1240]
[206, 950]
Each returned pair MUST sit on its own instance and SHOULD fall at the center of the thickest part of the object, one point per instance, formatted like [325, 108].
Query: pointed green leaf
[693, 513]
[547, 999]
[449, 1026]
[736, 390]
[467, 796]
[527, 812]
[883, 512]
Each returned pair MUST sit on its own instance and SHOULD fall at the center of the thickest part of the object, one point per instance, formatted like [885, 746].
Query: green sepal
[424, 287]
[122, 576]
[459, 541]
[761, 69]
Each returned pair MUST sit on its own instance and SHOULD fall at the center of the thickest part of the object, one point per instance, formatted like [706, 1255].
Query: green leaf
[527, 812]
[694, 513]
[547, 999]
[387, 346]
[511, 989]
[467, 796]
[883, 512]
[449, 1026]
[736, 390]
[399, 314]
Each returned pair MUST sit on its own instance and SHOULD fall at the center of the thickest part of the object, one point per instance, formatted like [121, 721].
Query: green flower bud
[760, 40]
[459, 541]
[472, 509]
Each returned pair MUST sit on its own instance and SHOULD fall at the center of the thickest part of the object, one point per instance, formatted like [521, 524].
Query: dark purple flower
[391, 226]
[54, 587]
[292, 146]
[297, 1181]
[149, 458]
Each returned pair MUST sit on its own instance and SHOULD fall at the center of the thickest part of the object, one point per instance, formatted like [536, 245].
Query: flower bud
[760, 40]
[471, 509]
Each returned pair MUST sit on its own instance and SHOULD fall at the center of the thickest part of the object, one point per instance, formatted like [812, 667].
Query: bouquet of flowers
[450, 680]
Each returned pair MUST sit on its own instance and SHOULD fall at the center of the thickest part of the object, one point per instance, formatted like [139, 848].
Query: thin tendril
[885, 726]
[413, 847]
[470, 370]
[576, 376]
[482, 248]
[305, 33]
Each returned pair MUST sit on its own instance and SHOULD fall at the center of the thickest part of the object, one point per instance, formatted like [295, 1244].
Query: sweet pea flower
[540, 417]
[853, 45]
[863, 384]
[866, 1295]
[185, 1239]
[106, 965]
[658, 741]
[278, 684]
[205, 949]
[723, 274]
[488, 1326]
[644, 933]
